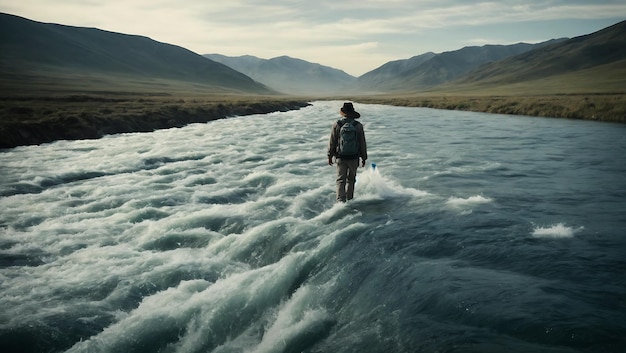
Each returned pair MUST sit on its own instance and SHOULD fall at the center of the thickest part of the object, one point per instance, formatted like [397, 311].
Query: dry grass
[26, 109]
[35, 120]
[606, 107]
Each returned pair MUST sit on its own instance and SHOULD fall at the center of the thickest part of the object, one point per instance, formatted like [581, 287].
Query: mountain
[45, 57]
[391, 71]
[34, 54]
[429, 70]
[595, 62]
[290, 75]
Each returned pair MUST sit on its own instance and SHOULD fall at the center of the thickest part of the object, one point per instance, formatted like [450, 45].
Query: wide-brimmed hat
[348, 111]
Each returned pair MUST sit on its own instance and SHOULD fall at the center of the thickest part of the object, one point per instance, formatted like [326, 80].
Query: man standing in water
[347, 145]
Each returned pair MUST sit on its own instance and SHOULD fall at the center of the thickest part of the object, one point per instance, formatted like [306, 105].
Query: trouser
[346, 177]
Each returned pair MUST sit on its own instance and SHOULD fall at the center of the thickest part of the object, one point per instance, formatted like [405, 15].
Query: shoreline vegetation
[43, 119]
[598, 107]
[36, 120]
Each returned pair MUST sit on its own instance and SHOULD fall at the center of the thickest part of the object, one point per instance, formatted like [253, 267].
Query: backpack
[348, 141]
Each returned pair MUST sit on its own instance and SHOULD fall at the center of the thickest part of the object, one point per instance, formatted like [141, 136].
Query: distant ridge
[290, 75]
[58, 58]
[31, 52]
[430, 69]
[593, 62]
[381, 77]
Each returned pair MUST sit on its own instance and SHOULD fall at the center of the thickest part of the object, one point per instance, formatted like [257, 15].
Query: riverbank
[600, 107]
[37, 120]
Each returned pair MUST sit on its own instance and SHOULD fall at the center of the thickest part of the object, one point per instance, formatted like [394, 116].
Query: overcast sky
[352, 35]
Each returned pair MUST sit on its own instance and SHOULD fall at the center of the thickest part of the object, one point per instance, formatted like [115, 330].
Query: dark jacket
[333, 144]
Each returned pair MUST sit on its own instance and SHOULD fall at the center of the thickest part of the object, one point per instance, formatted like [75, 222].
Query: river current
[473, 233]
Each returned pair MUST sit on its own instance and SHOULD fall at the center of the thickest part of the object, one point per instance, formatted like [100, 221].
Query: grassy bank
[34, 120]
[601, 107]
[31, 120]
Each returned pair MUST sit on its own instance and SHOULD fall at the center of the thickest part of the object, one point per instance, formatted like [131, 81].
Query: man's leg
[352, 165]
[342, 176]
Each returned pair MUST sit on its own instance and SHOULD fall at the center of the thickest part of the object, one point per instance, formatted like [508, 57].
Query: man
[347, 145]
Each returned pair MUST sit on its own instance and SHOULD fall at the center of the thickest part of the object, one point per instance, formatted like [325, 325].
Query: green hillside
[594, 63]
[429, 70]
[52, 57]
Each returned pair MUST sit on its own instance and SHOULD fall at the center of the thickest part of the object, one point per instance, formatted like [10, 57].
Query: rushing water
[475, 233]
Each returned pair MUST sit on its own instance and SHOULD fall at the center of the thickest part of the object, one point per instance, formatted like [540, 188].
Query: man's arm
[332, 144]
[362, 145]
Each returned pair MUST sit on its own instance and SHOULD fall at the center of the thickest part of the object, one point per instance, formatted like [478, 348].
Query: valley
[63, 82]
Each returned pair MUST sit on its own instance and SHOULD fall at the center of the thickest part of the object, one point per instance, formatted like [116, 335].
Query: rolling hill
[593, 63]
[53, 57]
[382, 76]
[289, 75]
[429, 70]
[43, 56]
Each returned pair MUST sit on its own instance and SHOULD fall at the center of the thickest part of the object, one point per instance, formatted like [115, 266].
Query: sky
[355, 36]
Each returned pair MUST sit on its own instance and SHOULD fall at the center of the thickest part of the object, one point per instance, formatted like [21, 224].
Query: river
[473, 233]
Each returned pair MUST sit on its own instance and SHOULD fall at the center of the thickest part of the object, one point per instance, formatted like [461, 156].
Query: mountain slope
[390, 71]
[430, 69]
[32, 51]
[595, 60]
[289, 75]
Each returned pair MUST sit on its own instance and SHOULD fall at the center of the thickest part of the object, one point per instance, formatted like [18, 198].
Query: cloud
[488, 13]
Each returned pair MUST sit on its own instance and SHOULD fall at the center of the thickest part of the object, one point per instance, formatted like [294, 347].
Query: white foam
[472, 200]
[205, 310]
[296, 318]
[465, 205]
[371, 183]
[559, 230]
